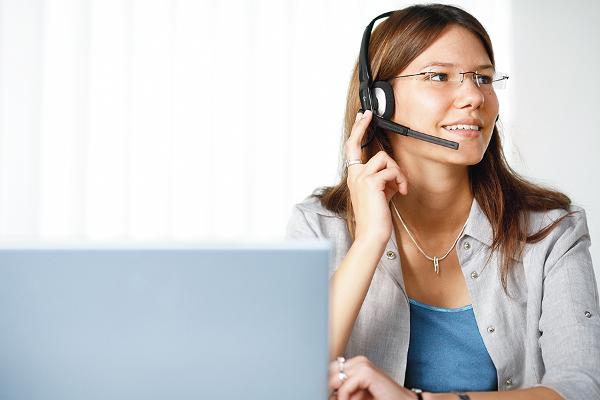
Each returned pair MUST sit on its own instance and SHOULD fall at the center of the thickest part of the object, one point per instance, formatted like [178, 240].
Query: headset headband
[364, 69]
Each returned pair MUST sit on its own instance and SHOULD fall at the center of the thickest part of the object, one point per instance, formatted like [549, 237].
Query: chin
[466, 157]
[468, 153]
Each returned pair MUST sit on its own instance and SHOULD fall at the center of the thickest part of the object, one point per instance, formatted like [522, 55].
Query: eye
[437, 76]
[484, 79]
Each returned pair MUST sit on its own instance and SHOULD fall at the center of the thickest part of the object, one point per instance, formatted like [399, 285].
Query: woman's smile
[464, 131]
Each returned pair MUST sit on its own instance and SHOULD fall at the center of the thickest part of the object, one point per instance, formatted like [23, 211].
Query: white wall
[113, 122]
[555, 75]
[175, 119]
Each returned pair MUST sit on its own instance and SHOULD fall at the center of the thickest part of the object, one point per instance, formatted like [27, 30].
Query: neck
[439, 196]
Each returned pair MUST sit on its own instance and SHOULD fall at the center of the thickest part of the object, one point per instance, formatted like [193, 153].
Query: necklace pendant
[436, 265]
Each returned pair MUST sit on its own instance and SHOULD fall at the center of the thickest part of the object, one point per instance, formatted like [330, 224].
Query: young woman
[451, 273]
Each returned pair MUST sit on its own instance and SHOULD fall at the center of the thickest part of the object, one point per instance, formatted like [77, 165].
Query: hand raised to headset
[372, 185]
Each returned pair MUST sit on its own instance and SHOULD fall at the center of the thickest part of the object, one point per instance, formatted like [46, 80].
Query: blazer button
[588, 314]
[467, 245]
[390, 255]
[508, 382]
[474, 275]
[491, 329]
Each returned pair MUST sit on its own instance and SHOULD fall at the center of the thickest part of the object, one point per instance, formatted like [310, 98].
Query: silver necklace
[436, 260]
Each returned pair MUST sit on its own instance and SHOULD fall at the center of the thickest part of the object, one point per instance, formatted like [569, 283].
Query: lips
[462, 127]
[467, 128]
[467, 133]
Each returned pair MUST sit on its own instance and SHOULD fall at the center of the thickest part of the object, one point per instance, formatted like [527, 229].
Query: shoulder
[312, 205]
[574, 220]
[570, 234]
[310, 218]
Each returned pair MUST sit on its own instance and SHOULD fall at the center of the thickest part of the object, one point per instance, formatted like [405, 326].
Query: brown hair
[503, 195]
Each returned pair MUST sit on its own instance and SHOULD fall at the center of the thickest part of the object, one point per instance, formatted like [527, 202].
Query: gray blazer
[547, 333]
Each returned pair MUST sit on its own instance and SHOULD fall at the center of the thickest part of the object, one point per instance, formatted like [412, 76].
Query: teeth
[462, 127]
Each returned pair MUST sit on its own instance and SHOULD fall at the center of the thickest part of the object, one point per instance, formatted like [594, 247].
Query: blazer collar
[478, 225]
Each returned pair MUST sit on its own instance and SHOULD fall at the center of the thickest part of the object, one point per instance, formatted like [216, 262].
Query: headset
[379, 97]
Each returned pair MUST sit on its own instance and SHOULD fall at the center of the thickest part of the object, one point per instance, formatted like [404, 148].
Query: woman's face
[437, 110]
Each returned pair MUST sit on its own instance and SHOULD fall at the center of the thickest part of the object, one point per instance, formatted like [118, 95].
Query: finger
[387, 180]
[352, 147]
[360, 395]
[352, 386]
[403, 187]
[390, 175]
[380, 161]
[354, 361]
[334, 381]
[395, 182]
[334, 366]
[390, 191]
[385, 163]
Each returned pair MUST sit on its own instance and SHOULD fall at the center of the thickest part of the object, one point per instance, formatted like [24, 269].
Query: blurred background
[124, 120]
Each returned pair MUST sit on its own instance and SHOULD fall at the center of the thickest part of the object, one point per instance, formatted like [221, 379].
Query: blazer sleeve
[570, 317]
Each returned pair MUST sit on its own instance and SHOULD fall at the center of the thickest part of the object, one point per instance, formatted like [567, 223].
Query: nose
[468, 94]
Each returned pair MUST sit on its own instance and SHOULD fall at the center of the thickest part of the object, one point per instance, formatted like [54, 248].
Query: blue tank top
[446, 352]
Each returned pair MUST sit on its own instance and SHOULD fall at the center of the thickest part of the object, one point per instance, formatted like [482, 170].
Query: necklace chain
[435, 259]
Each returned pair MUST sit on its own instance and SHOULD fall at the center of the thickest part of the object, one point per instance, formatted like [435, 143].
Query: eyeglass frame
[503, 77]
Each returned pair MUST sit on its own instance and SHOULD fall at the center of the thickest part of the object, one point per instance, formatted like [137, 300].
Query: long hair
[504, 196]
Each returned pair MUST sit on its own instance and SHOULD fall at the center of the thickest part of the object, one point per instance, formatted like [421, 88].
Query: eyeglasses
[496, 80]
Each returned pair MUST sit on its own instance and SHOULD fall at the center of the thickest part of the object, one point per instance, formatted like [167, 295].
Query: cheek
[491, 112]
[418, 109]
[490, 105]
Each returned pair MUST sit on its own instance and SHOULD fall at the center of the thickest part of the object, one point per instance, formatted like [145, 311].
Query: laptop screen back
[168, 323]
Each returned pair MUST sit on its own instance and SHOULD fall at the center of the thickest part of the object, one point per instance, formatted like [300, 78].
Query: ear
[383, 96]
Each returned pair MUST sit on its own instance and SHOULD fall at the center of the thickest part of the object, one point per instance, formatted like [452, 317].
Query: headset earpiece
[383, 99]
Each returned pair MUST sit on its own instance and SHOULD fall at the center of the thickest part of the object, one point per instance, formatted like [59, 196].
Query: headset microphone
[379, 97]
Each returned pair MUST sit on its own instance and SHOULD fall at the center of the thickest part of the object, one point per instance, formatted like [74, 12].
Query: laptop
[170, 322]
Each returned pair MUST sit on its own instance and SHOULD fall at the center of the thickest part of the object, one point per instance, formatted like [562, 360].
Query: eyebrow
[442, 64]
